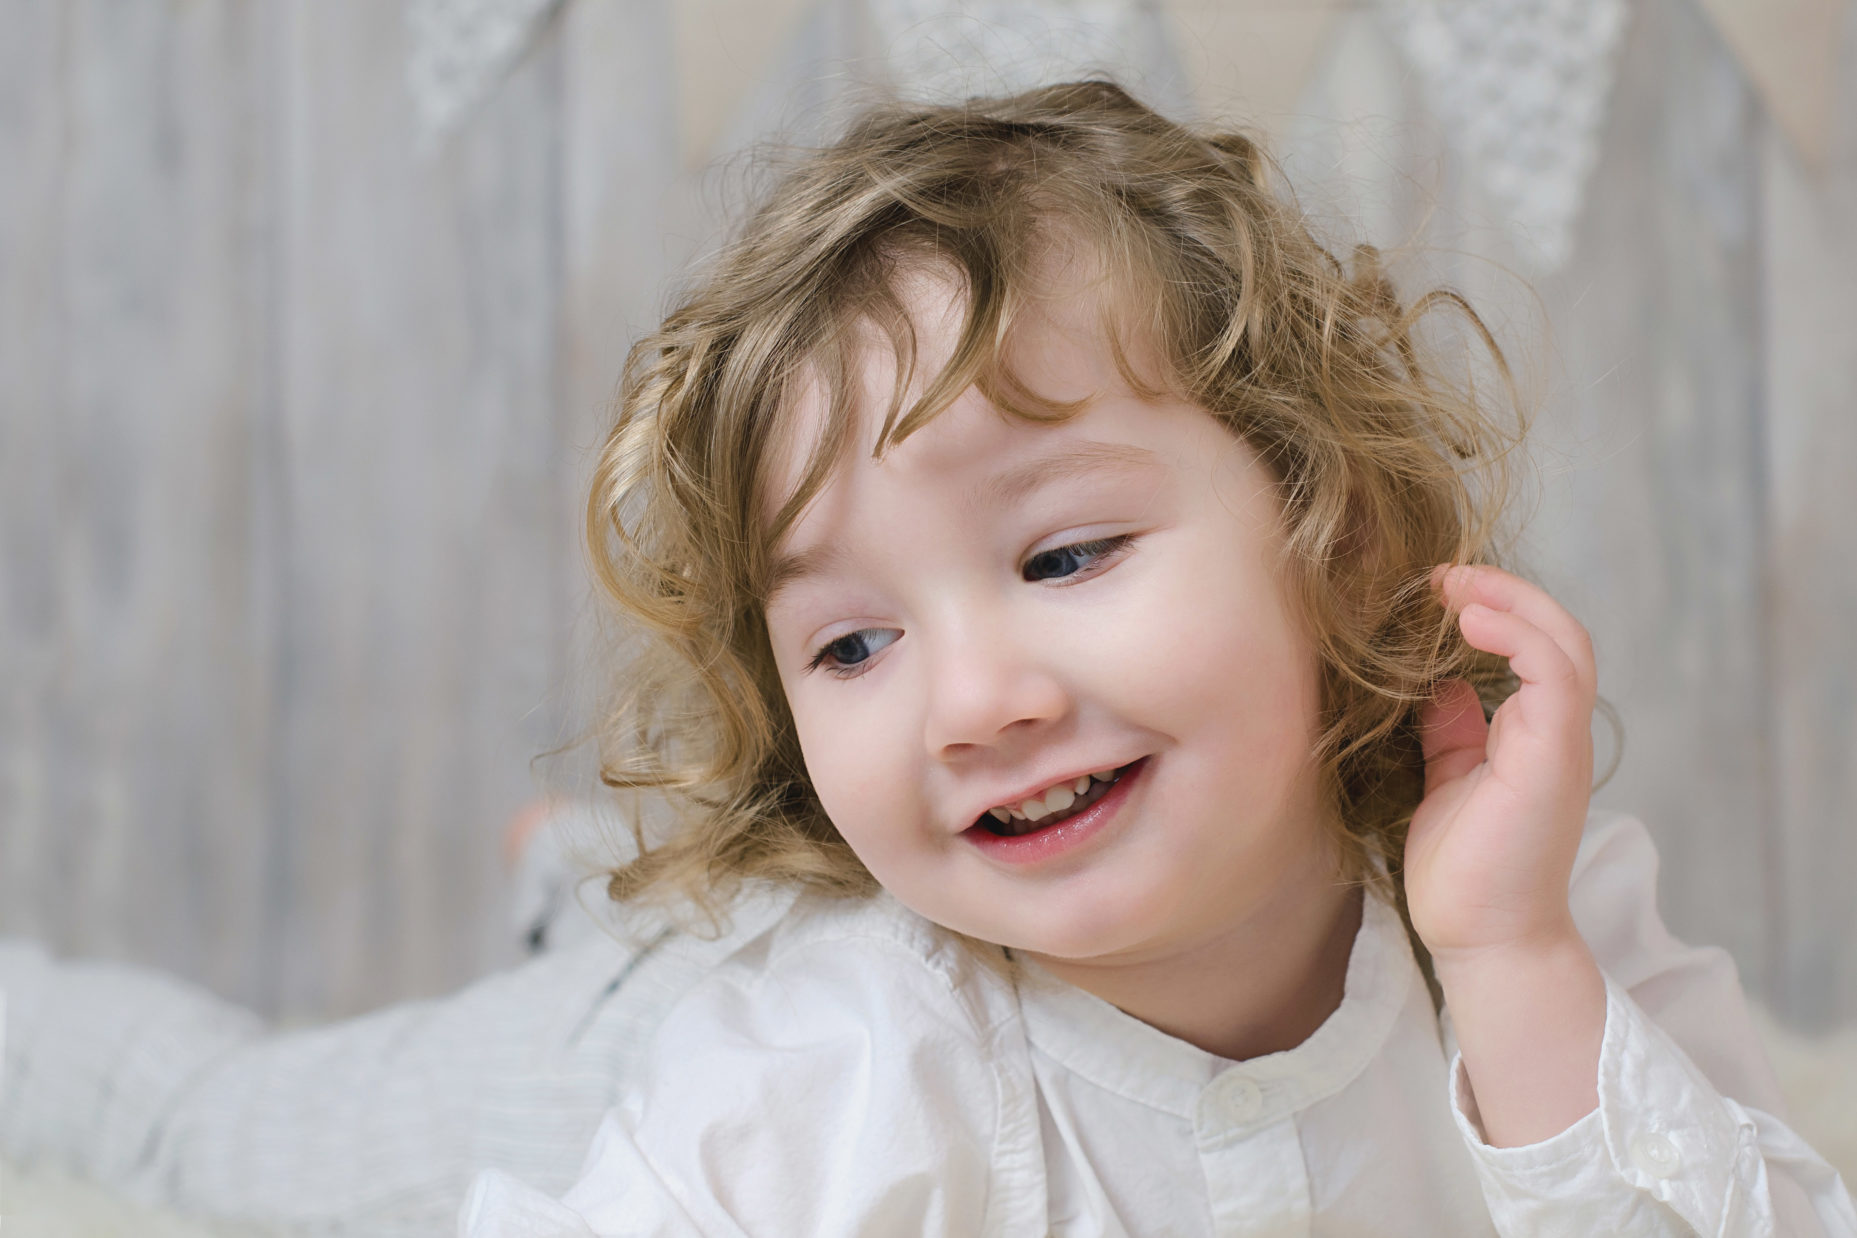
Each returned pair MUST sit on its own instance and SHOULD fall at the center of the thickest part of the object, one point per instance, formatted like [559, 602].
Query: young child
[1045, 552]
[1088, 817]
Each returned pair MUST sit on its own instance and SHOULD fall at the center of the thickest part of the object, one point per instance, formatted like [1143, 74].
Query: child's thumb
[1453, 732]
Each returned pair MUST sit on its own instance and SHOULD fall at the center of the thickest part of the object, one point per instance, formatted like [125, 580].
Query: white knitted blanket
[46, 1204]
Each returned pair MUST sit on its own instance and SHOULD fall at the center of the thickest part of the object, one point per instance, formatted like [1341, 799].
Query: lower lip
[1067, 835]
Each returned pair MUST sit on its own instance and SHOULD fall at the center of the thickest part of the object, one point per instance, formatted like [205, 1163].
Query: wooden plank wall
[293, 425]
[139, 707]
[1808, 236]
[286, 586]
[417, 547]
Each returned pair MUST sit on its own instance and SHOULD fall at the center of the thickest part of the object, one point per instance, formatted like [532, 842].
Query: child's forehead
[1061, 346]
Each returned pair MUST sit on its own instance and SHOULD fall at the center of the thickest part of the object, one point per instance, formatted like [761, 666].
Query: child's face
[999, 608]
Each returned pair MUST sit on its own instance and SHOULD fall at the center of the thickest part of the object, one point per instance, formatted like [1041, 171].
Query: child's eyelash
[1096, 551]
[847, 670]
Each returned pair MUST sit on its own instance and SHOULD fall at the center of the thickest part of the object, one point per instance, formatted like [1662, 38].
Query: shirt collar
[1119, 1052]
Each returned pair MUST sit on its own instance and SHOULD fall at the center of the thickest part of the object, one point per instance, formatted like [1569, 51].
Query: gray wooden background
[293, 424]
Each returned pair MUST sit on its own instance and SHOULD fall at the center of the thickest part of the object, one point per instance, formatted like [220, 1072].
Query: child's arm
[1583, 1114]
[1689, 1118]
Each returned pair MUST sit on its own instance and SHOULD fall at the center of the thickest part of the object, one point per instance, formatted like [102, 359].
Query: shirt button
[1240, 1099]
[1655, 1155]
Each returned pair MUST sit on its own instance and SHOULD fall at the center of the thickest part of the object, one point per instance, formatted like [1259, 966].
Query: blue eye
[852, 650]
[845, 657]
[1065, 561]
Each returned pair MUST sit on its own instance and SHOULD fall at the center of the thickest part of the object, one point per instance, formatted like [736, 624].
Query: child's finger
[1537, 660]
[1453, 732]
[1462, 585]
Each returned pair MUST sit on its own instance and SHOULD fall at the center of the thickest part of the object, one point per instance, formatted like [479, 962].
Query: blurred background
[310, 311]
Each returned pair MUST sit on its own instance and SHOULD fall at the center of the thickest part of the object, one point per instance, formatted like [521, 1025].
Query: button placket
[1257, 1174]
[1655, 1154]
[1239, 1100]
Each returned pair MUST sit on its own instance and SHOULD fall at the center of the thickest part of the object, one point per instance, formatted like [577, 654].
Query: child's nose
[983, 687]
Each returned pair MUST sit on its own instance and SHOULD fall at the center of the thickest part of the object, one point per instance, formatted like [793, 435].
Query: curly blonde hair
[1385, 468]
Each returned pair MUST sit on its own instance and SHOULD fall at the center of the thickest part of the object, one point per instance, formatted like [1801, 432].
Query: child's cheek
[863, 745]
[1229, 675]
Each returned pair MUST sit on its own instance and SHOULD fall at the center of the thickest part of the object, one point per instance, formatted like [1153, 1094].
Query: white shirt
[851, 1069]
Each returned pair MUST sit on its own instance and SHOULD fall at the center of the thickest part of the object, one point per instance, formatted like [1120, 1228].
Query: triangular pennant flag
[459, 50]
[1248, 60]
[1520, 89]
[721, 49]
[946, 50]
[1789, 51]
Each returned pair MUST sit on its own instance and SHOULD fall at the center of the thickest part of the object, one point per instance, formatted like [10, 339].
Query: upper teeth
[1056, 799]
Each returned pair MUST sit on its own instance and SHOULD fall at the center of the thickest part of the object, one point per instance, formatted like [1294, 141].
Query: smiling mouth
[1015, 827]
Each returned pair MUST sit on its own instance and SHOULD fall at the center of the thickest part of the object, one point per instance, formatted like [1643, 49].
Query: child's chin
[1088, 939]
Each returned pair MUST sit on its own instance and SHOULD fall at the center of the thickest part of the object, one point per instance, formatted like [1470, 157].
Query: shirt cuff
[1662, 1152]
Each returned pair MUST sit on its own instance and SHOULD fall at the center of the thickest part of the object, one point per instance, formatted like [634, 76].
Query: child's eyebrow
[792, 568]
[1000, 490]
[1069, 464]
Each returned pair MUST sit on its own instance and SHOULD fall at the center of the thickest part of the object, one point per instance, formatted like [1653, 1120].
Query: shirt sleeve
[842, 1088]
[1688, 1136]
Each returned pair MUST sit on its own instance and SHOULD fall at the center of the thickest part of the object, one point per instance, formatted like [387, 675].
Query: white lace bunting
[1520, 88]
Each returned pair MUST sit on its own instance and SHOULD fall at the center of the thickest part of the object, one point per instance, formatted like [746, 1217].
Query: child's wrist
[1558, 943]
[1529, 1021]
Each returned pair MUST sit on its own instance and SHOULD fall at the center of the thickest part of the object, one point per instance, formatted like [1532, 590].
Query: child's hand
[1491, 848]
[521, 827]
